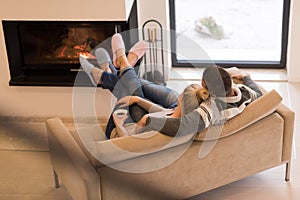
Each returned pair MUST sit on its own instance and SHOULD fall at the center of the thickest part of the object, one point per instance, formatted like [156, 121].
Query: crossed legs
[106, 76]
[120, 60]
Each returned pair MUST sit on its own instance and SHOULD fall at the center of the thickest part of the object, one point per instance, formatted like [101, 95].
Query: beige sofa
[155, 166]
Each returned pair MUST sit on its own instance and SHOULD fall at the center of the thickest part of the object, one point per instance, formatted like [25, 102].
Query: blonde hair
[192, 96]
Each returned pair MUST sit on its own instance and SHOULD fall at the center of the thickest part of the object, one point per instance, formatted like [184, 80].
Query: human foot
[89, 69]
[104, 61]
[118, 48]
[136, 52]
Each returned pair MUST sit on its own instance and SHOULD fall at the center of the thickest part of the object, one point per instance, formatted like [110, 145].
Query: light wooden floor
[25, 170]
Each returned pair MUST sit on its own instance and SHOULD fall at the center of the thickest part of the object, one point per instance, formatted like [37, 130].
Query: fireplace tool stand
[153, 69]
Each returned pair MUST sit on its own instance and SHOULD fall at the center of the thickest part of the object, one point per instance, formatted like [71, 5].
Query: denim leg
[128, 85]
[113, 68]
[160, 94]
[109, 80]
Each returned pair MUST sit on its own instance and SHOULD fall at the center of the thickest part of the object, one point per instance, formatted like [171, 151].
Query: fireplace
[45, 53]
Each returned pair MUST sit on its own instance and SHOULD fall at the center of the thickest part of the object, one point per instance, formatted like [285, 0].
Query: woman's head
[217, 81]
[191, 98]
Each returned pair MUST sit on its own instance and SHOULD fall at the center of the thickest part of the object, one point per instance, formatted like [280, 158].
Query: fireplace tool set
[153, 69]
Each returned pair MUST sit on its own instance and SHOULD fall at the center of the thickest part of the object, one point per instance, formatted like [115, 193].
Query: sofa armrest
[70, 164]
[289, 117]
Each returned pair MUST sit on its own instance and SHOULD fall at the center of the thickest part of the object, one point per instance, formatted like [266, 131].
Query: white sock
[87, 67]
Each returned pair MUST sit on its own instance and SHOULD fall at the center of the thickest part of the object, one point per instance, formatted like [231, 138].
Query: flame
[62, 53]
[84, 54]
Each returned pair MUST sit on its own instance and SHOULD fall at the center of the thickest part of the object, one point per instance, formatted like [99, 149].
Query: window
[248, 33]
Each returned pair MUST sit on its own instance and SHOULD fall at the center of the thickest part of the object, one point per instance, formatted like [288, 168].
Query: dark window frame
[241, 64]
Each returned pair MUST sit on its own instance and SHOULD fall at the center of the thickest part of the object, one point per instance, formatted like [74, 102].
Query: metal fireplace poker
[153, 69]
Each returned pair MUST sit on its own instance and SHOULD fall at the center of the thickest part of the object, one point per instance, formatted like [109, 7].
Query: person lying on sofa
[237, 104]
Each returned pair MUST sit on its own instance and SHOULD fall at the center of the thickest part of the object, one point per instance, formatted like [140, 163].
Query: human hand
[128, 100]
[240, 75]
[143, 120]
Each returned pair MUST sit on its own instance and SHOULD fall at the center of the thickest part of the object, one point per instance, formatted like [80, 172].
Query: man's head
[217, 81]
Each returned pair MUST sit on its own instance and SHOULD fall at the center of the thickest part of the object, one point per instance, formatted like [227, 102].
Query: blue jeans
[128, 84]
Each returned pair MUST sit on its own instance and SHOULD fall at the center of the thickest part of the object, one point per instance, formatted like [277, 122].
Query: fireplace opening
[46, 53]
[44, 44]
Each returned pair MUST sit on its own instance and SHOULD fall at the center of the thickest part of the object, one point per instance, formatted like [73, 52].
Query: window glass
[230, 31]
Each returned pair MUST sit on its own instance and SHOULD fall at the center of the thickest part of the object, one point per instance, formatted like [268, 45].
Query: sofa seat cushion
[260, 108]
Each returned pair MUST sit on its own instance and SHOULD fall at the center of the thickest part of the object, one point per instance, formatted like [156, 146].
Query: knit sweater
[214, 111]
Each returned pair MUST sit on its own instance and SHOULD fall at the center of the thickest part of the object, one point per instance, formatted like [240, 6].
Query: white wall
[154, 9]
[64, 10]
[157, 10]
[293, 64]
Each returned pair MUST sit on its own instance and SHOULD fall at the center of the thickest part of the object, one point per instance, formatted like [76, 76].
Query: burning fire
[72, 53]
[84, 54]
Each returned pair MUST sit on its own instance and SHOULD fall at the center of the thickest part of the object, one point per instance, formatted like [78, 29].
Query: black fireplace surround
[45, 53]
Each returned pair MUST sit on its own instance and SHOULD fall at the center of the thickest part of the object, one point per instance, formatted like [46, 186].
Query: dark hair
[217, 80]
